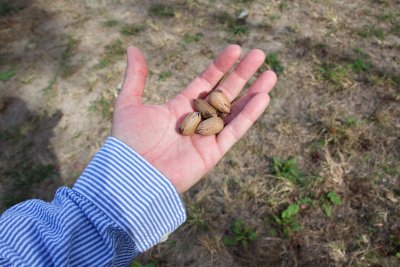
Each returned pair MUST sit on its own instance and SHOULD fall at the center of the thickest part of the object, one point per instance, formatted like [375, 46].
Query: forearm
[119, 207]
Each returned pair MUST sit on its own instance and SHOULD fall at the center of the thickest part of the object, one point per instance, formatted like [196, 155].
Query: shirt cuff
[132, 193]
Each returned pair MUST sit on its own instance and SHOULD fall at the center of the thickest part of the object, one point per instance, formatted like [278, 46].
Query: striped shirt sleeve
[118, 208]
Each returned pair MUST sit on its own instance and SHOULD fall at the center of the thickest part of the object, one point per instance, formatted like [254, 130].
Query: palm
[152, 130]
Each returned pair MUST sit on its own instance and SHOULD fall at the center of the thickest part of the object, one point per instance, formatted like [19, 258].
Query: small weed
[240, 235]
[161, 10]
[287, 221]
[77, 135]
[283, 5]
[351, 121]
[359, 66]
[131, 29]
[240, 29]
[369, 31]
[272, 232]
[334, 198]
[274, 18]
[387, 16]
[7, 75]
[164, 75]
[288, 169]
[113, 51]
[390, 169]
[111, 23]
[232, 25]
[104, 106]
[191, 38]
[66, 68]
[274, 63]
[394, 241]
[331, 200]
[50, 91]
[196, 216]
[334, 73]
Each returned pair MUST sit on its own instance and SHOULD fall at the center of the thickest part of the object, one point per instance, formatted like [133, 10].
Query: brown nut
[190, 123]
[219, 101]
[210, 126]
[206, 110]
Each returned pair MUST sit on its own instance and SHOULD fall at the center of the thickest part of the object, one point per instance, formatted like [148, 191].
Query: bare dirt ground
[316, 182]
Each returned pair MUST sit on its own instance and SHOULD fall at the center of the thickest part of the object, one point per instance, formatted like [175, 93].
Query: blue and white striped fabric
[118, 208]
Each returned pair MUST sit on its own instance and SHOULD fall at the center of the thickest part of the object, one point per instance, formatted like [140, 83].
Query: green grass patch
[192, 38]
[111, 23]
[283, 5]
[104, 106]
[164, 75]
[274, 63]
[66, 67]
[389, 16]
[390, 169]
[131, 29]
[50, 90]
[369, 31]
[240, 234]
[396, 80]
[334, 73]
[161, 10]
[232, 25]
[360, 52]
[394, 242]
[7, 75]
[113, 52]
[349, 122]
[360, 65]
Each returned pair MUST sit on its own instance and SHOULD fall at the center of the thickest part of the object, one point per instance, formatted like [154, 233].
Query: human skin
[152, 130]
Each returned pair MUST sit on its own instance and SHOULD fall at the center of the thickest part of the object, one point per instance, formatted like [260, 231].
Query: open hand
[152, 130]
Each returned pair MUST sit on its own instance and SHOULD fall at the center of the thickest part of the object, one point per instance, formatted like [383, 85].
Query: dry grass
[331, 129]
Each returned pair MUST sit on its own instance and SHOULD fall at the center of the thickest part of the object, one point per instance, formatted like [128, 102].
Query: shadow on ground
[28, 165]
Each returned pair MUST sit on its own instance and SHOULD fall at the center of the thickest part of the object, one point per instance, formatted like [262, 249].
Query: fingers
[264, 83]
[234, 83]
[246, 111]
[135, 77]
[242, 122]
[213, 73]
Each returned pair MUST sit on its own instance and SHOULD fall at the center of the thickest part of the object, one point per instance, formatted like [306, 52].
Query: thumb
[135, 77]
